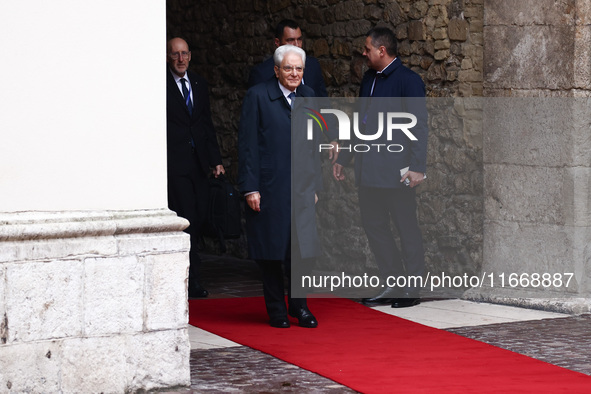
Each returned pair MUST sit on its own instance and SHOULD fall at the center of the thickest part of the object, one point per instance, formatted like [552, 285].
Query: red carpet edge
[373, 352]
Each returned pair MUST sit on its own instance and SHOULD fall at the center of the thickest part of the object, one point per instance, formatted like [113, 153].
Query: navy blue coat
[312, 75]
[406, 91]
[264, 150]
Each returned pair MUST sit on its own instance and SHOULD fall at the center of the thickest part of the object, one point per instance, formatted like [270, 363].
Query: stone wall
[439, 39]
[537, 159]
[93, 302]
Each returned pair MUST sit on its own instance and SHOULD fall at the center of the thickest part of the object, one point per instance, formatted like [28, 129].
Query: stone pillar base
[93, 301]
[532, 300]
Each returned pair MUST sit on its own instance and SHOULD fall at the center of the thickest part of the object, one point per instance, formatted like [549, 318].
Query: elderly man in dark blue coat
[265, 178]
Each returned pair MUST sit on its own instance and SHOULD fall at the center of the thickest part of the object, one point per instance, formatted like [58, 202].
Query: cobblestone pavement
[565, 342]
[244, 370]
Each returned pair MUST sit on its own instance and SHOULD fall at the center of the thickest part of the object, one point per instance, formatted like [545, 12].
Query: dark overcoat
[265, 165]
[397, 89]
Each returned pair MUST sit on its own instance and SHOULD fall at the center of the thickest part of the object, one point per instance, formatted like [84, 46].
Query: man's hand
[218, 170]
[415, 178]
[337, 172]
[254, 201]
[333, 153]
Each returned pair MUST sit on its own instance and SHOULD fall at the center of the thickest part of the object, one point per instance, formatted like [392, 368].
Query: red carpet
[372, 352]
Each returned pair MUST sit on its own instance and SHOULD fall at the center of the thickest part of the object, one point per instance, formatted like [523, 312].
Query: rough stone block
[528, 12]
[113, 295]
[476, 26]
[473, 11]
[581, 137]
[426, 63]
[549, 196]
[583, 12]
[457, 29]
[582, 258]
[30, 368]
[162, 360]
[472, 133]
[470, 76]
[442, 44]
[418, 9]
[528, 131]
[582, 57]
[93, 365]
[166, 291]
[478, 64]
[374, 13]
[439, 34]
[581, 184]
[529, 57]
[394, 14]
[416, 31]
[321, 47]
[313, 15]
[340, 48]
[466, 64]
[34, 310]
[527, 248]
[441, 55]
[402, 32]
[355, 28]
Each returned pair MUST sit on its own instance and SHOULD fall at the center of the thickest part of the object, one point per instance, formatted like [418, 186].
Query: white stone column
[93, 266]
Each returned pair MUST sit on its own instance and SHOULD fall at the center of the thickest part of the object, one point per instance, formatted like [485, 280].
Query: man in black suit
[192, 149]
[386, 180]
[265, 148]
[287, 32]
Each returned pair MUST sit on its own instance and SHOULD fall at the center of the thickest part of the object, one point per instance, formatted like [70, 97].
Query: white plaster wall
[82, 105]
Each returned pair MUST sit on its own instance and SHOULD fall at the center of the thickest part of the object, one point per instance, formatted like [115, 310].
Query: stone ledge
[530, 300]
[22, 226]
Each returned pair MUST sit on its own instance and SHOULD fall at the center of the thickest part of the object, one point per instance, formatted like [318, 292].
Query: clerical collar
[384, 69]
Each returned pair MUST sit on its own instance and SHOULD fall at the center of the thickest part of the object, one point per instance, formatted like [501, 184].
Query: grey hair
[284, 50]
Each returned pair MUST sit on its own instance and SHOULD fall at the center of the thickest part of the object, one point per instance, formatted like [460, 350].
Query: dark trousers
[274, 275]
[188, 197]
[379, 208]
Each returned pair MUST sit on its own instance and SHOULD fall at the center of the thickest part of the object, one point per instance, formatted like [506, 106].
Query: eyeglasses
[288, 69]
[176, 55]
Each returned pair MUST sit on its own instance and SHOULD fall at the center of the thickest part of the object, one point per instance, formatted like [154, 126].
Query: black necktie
[187, 96]
[291, 98]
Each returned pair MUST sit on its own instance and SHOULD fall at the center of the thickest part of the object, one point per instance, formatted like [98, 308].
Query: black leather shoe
[197, 292]
[279, 322]
[405, 302]
[385, 297]
[377, 301]
[304, 316]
